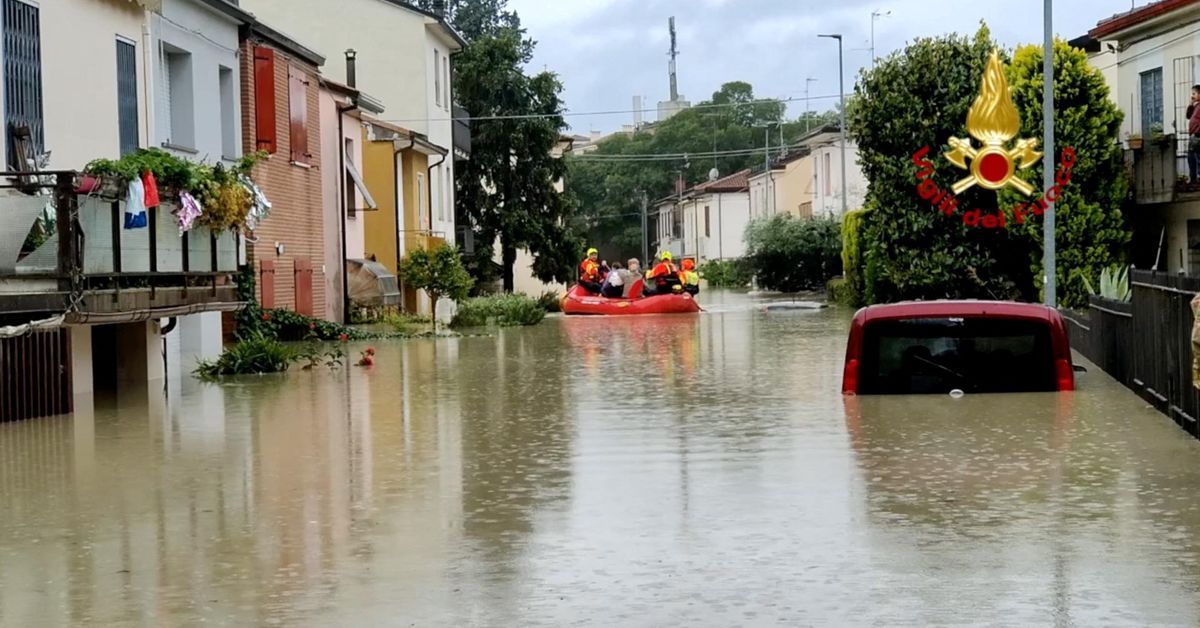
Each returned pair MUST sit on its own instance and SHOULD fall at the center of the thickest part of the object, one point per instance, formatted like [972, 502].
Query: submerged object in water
[795, 306]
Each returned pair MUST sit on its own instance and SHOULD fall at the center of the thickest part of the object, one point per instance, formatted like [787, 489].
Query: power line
[569, 114]
[669, 156]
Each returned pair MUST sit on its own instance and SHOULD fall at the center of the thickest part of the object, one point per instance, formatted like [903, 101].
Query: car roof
[961, 308]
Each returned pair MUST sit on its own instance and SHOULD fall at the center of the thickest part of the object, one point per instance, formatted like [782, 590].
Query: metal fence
[1146, 344]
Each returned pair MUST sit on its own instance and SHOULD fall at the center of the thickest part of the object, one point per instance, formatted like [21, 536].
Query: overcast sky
[607, 51]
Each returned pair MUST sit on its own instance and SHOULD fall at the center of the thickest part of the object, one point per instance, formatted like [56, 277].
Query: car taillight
[850, 378]
[1065, 374]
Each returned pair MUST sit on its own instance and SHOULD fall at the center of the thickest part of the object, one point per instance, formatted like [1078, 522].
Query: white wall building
[708, 221]
[403, 59]
[1150, 57]
[764, 193]
[826, 158]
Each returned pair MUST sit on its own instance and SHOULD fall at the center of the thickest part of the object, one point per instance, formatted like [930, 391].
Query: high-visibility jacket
[662, 272]
[589, 270]
[689, 277]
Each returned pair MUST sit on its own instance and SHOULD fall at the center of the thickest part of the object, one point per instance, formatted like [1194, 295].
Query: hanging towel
[135, 206]
[189, 210]
[260, 207]
[151, 189]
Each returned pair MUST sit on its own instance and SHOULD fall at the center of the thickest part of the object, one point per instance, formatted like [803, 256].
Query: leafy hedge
[505, 310]
[254, 323]
[790, 254]
[850, 291]
[731, 273]
[259, 354]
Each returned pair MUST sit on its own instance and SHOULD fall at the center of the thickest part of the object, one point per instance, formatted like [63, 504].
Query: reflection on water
[692, 470]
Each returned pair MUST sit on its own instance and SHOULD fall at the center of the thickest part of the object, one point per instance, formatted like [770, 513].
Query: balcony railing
[60, 250]
[1155, 171]
[461, 133]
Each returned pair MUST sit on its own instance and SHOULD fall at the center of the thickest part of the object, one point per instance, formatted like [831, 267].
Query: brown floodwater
[696, 470]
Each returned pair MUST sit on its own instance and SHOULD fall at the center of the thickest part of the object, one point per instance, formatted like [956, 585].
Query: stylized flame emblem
[993, 120]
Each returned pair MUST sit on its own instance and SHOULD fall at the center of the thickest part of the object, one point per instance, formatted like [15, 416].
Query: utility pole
[1050, 289]
[842, 91]
[645, 235]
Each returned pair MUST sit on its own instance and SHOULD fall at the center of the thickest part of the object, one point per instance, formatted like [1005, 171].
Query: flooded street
[647, 471]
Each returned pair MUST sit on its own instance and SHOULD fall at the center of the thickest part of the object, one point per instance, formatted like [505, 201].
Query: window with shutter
[298, 108]
[22, 77]
[437, 78]
[1152, 101]
[127, 99]
[264, 99]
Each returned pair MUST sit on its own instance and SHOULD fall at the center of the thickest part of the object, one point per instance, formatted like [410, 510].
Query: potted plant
[1134, 140]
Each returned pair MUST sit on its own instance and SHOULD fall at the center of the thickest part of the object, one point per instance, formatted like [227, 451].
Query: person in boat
[633, 274]
[614, 282]
[689, 277]
[664, 277]
[589, 272]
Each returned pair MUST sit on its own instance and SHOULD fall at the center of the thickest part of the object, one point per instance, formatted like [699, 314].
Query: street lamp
[874, 16]
[1050, 287]
[842, 91]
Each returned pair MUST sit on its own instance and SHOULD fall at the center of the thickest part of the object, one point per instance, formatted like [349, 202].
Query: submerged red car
[929, 347]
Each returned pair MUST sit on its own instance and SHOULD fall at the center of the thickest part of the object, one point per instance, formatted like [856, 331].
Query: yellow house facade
[397, 163]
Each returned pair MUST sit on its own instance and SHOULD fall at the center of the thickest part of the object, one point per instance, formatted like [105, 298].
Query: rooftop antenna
[674, 53]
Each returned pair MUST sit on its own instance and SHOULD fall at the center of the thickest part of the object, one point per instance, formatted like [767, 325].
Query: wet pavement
[654, 471]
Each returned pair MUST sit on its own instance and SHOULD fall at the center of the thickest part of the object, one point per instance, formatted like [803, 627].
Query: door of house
[304, 287]
[266, 284]
[35, 375]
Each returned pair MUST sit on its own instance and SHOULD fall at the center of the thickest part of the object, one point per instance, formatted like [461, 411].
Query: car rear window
[938, 355]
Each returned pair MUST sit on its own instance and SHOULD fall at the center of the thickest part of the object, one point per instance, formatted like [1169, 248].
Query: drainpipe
[345, 212]
[396, 193]
[429, 184]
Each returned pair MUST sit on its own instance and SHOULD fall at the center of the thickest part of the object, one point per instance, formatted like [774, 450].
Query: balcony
[65, 252]
[1157, 172]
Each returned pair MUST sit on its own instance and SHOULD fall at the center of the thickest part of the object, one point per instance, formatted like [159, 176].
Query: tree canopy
[610, 185]
[920, 97]
[507, 190]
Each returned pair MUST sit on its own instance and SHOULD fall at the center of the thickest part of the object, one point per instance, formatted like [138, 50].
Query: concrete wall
[79, 70]
[333, 214]
[295, 190]
[827, 180]
[396, 51]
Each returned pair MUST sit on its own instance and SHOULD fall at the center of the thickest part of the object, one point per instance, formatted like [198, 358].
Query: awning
[359, 183]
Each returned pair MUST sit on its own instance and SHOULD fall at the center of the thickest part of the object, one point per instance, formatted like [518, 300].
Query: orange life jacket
[661, 272]
[589, 270]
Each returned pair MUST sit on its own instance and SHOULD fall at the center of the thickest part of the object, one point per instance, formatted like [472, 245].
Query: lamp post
[874, 16]
[1050, 288]
[842, 91]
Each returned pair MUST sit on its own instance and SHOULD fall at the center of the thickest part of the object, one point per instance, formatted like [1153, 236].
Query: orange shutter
[298, 106]
[266, 284]
[264, 98]
[303, 276]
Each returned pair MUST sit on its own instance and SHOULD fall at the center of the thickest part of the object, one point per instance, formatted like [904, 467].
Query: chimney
[351, 79]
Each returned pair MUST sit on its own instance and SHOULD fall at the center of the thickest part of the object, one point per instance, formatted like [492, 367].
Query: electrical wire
[568, 114]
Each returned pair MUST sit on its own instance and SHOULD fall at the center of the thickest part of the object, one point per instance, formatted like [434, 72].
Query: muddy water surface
[698, 471]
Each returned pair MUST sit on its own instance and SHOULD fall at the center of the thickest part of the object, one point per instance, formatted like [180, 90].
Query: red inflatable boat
[580, 301]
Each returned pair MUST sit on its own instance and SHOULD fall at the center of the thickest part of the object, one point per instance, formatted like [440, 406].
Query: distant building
[705, 222]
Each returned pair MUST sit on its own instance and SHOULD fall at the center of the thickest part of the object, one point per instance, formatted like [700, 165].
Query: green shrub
[791, 254]
[852, 292]
[551, 301]
[505, 310]
[258, 354]
[287, 325]
[438, 271]
[838, 290]
[730, 273]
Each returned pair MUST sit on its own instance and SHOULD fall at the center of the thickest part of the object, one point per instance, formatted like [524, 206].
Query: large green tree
[1091, 233]
[612, 182]
[920, 97]
[507, 190]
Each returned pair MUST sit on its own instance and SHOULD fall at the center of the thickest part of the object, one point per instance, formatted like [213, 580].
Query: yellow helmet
[593, 252]
[666, 256]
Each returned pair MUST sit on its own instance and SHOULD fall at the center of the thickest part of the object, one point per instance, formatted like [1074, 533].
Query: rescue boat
[578, 301]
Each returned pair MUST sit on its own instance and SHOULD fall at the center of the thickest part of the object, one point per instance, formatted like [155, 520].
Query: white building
[706, 222]
[765, 193]
[403, 59]
[1150, 57]
[826, 154]
[195, 83]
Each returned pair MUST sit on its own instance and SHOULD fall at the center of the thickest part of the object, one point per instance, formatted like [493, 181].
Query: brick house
[281, 115]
